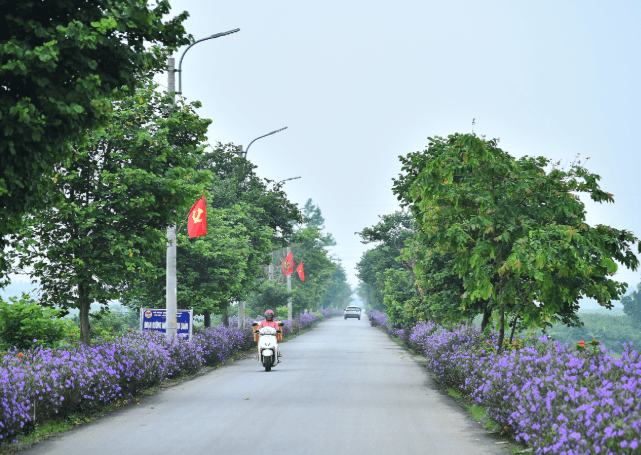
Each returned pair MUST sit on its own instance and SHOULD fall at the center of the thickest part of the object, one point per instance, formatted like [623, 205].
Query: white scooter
[268, 345]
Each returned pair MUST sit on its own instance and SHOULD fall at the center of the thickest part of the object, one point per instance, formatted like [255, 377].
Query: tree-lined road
[343, 388]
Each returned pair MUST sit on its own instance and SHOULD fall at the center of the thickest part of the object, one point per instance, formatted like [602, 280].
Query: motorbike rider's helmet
[269, 315]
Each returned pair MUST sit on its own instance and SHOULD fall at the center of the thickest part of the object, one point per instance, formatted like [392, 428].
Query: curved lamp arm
[180, 65]
[265, 135]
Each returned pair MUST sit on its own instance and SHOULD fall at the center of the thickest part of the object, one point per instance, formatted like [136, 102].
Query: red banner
[197, 221]
[288, 264]
[301, 272]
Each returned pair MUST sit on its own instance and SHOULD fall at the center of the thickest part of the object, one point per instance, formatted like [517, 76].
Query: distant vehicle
[353, 312]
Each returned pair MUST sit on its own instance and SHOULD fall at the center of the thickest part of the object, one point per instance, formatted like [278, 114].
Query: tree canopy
[515, 228]
[61, 65]
[123, 187]
[246, 218]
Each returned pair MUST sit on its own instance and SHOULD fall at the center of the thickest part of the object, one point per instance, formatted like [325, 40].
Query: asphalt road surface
[342, 388]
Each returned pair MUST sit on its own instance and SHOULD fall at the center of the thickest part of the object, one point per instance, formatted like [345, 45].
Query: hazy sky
[360, 82]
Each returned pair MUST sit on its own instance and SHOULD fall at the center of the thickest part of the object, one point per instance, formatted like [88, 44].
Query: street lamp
[172, 250]
[291, 178]
[260, 137]
[180, 65]
[241, 305]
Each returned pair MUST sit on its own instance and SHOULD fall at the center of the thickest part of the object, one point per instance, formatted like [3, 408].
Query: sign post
[155, 320]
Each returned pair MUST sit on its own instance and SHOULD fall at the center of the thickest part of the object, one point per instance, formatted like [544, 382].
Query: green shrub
[282, 312]
[319, 316]
[24, 324]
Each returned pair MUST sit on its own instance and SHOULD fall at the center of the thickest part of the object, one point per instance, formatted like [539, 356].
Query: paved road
[343, 388]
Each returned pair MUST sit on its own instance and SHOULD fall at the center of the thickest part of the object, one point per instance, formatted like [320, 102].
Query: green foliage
[244, 220]
[517, 233]
[125, 185]
[441, 289]
[399, 290]
[117, 319]
[309, 248]
[338, 293]
[320, 316]
[268, 295]
[234, 180]
[392, 234]
[282, 312]
[61, 64]
[371, 269]
[632, 304]
[312, 216]
[25, 324]
[324, 285]
[611, 330]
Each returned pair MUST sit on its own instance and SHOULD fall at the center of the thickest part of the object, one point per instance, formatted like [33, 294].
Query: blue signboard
[156, 319]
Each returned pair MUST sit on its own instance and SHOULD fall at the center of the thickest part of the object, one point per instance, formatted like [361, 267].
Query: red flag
[301, 272]
[288, 264]
[197, 221]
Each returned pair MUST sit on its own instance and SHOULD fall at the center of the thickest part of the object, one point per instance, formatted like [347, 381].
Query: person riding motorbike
[270, 322]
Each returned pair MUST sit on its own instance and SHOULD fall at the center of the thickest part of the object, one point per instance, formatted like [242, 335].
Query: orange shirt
[273, 324]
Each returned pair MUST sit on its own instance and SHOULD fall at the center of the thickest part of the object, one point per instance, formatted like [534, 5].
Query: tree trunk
[487, 314]
[501, 331]
[84, 307]
[207, 316]
[225, 318]
[516, 318]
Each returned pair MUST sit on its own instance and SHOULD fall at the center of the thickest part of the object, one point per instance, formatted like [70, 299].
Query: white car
[353, 312]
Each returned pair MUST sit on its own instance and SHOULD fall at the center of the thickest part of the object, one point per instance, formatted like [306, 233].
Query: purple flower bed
[306, 320]
[331, 312]
[559, 399]
[43, 384]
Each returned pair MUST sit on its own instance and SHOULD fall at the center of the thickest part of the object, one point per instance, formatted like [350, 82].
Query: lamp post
[241, 305]
[260, 137]
[291, 178]
[171, 303]
[180, 65]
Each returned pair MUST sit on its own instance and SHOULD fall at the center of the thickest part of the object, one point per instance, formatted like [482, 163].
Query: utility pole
[241, 305]
[289, 288]
[171, 304]
[172, 282]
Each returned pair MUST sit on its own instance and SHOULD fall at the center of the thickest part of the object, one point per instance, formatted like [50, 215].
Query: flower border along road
[48, 385]
[558, 399]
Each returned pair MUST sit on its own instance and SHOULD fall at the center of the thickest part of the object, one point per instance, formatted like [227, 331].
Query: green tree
[245, 218]
[313, 216]
[61, 64]
[371, 269]
[391, 234]
[632, 304]
[338, 293]
[308, 247]
[124, 186]
[236, 182]
[398, 291]
[268, 295]
[517, 233]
